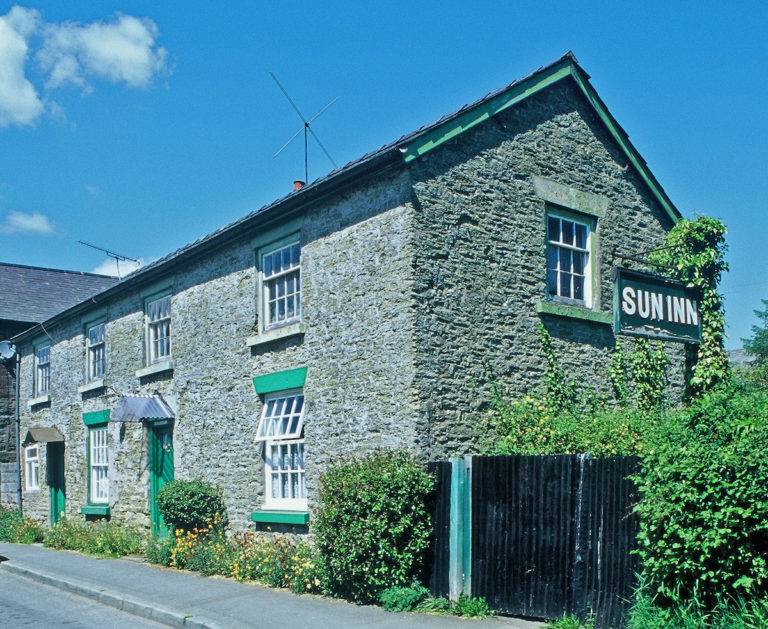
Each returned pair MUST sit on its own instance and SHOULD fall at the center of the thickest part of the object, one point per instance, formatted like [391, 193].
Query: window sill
[273, 516]
[40, 399]
[573, 312]
[95, 510]
[158, 367]
[284, 332]
[94, 385]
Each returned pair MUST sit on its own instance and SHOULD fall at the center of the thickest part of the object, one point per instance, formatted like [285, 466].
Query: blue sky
[141, 126]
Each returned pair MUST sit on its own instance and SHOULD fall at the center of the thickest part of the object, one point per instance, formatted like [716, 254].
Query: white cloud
[32, 223]
[94, 191]
[123, 50]
[19, 100]
[109, 267]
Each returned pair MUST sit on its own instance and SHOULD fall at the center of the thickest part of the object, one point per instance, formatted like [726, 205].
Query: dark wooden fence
[547, 535]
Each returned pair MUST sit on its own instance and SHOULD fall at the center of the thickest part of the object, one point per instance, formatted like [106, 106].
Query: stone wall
[481, 258]
[356, 261]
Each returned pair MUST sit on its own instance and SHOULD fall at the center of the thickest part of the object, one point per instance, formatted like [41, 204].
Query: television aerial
[117, 257]
[305, 128]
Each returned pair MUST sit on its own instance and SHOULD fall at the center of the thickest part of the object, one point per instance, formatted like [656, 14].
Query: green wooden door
[55, 459]
[160, 469]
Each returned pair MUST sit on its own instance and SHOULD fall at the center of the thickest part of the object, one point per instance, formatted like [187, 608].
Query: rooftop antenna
[306, 128]
[111, 254]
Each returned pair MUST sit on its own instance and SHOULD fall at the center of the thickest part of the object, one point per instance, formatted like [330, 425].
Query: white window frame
[281, 430]
[42, 369]
[158, 332]
[565, 270]
[95, 351]
[32, 467]
[286, 278]
[98, 462]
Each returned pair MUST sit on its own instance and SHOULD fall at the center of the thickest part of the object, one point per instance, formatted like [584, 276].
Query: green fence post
[460, 538]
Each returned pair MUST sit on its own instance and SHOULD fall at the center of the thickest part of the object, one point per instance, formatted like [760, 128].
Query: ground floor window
[32, 467]
[98, 450]
[281, 429]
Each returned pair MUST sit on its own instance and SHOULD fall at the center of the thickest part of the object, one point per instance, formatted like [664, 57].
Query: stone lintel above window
[571, 198]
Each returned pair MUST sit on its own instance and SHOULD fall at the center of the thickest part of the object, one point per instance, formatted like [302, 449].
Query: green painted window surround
[280, 381]
[573, 312]
[94, 510]
[280, 517]
[95, 418]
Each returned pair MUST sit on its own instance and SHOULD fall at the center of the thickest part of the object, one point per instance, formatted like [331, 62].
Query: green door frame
[56, 481]
[161, 469]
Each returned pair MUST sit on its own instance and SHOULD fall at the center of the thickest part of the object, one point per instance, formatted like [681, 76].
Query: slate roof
[394, 153]
[33, 294]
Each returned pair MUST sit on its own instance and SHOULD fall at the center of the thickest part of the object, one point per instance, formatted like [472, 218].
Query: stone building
[31, 295]
[358, 312]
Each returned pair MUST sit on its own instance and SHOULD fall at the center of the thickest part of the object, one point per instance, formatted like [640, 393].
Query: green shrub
[570, 622]
[159, 550]
[472, 607]
[100, 538]
[704, 505]
[213, 555]
[373, 525]
[693, 614]
[17, 529]
[437, 605]
[531, 425]
[403, 599]
[191, 504]
[276, 561]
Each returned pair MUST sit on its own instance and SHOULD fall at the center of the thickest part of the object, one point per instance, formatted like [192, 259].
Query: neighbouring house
[360, 311]
[31, 295]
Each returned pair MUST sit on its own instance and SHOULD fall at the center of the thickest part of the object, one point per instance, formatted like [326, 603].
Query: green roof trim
[486, 110]
[95, 418]
[573, 312]
[522, 90]
[94, 510]
[280, 517]
[280, 381]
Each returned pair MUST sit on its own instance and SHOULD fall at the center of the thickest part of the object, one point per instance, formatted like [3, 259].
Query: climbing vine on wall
[648, 365]
[559, 394]
[617, 374]
[696, 256]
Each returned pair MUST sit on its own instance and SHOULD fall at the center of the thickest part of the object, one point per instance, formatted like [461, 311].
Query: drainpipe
[18, 430]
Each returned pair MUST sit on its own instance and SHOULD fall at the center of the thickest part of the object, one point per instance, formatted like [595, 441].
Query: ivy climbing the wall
[696, 256]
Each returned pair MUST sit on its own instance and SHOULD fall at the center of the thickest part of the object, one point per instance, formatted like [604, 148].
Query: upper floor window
[158, 329]
[95, 352]
[281, 428]
[32, 467]
[42, 370]
[281, 283]
[568, 260]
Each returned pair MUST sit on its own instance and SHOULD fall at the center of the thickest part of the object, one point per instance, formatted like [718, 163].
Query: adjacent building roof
[33, 294]
[402, 151]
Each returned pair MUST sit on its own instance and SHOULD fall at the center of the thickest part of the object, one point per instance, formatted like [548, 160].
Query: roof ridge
[50, 269]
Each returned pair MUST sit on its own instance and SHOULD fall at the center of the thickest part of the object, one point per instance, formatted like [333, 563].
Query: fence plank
[438, 556]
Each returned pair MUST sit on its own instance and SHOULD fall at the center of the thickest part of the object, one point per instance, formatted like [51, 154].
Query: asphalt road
[25, 603]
